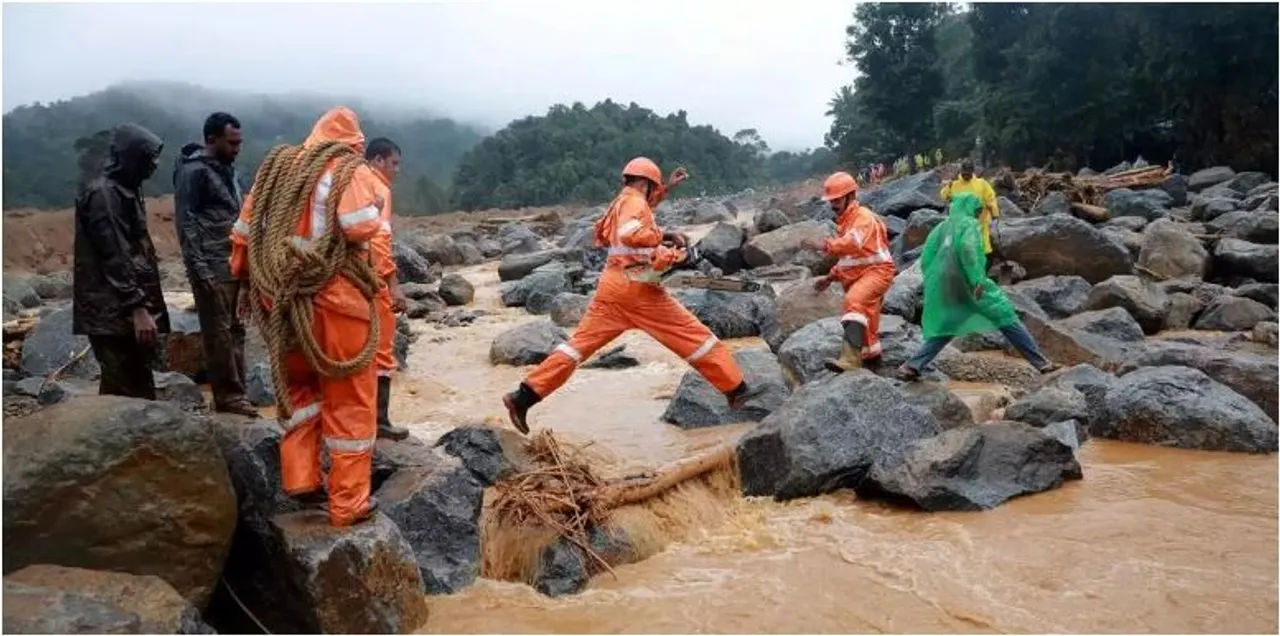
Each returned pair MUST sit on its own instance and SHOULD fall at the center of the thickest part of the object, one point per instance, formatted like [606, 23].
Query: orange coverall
[865, 270]
[339, 410]
[620, 303]
[384, 264]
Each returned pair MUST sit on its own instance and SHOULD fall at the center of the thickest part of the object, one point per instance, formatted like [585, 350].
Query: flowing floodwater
[1152, 540]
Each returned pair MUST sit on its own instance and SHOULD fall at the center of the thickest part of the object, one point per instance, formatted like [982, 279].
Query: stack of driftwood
[1085, 193]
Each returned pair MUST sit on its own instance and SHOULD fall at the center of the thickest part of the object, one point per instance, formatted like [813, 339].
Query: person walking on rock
[383, 156]
[630, 296]
[207, 201]
[977, 186]
[331, 384]
[959, 298]
[117, 300]
[865, 270]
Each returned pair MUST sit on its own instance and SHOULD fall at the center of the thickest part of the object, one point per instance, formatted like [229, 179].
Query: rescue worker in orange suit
[338, 411]
[384, 156]
[865, 270]
[630, 296]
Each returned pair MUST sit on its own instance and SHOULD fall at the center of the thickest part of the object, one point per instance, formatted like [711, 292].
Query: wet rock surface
[697, 404]
[51, 599]
[529, 343]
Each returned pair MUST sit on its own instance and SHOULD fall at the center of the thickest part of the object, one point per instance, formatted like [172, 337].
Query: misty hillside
[40, 155]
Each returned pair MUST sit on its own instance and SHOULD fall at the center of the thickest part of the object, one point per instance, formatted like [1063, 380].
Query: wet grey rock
[567, 309]
[1255, 227]
[731, 314]
[536, 291]
[976, 468]
[437, 509]
[1067, 346]
[711, 212]
[529, 343]
[1053, 203]
[1063, 246]
[1009, 209]
[1148, 204]
[143, 456]
[770, 220]
[55, 286]
[698, 404]
[722, 246]
[1176, 186]
[828, 435]
[490, 248]
[1184, 408]
[1233, 313]
[945, 406]
[903, 196]
[179, 389]
[1209, 177]
[1058, 296]
[1267, 333]
[1127, 240]
[51, 599]
[1130, 223]
[1252, 376]
[782, 246]
[440, 249]
[259, 388]
[416, 291]
[803, 353]
[490, 454]
[919, 225]
[1089, 381]
[905, 297]
[1171, 251]
[1246, 182]
[1051, 404]
[615, 358]
[1206, 208]
[46, 394]
[798, 305]
[456, 290]
[1146, 302]
[1242, 258]
[564, 568]
[50, 345]
[18, 290]
[471, 254]
[1183, 309]
[517, 266]
[411, 266]
[1114, 323]
[1067, 432]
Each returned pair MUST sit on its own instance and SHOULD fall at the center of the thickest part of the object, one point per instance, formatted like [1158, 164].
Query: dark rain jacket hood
[207, 199]
[135, 153]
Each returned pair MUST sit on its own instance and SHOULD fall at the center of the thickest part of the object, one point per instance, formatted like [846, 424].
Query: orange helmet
[643, 167]
[838, 185]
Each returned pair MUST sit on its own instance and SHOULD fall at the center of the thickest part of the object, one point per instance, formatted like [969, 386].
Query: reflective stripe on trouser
[645, 307]
[338, 413]
[863, 300]
[385, 358]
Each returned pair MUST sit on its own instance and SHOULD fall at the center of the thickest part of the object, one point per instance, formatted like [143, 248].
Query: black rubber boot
[851, 354]
[518, 403]
[385, 428]
[740, 394]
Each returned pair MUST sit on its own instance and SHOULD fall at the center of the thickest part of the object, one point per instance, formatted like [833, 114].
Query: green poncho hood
[953, 264]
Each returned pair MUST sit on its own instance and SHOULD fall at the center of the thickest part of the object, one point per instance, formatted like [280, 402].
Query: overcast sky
[770, 65]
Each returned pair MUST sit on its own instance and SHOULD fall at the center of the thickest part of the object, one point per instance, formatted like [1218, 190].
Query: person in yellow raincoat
[978, 187]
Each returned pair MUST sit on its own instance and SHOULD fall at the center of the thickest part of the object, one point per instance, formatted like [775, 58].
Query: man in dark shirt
[207, 199]
[117, 299]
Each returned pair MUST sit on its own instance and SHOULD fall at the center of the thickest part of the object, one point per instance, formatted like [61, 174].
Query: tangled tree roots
[1036, 184]
[565, 495]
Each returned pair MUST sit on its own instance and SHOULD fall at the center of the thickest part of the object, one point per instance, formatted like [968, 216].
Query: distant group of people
[901, 167]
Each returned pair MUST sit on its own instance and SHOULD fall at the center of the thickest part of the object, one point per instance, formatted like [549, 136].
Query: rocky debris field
[125, 516]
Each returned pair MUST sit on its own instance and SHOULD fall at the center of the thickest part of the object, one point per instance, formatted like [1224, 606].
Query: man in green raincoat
[959, 298]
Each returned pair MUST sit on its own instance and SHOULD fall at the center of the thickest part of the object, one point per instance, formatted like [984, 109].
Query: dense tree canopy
[575, 154]
[1082, 84]
[50, 149]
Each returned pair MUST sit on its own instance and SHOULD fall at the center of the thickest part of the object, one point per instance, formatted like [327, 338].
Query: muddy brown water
[1152, 540]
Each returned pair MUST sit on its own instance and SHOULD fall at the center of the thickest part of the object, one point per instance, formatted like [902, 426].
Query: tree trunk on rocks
[51, 599]
[976, 468]
[113, 483]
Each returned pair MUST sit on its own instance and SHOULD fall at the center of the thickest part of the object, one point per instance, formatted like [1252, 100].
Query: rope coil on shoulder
[289, 273]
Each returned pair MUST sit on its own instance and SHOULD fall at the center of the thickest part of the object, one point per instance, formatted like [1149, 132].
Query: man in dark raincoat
[959, 298]
[117, 299]
[207, 199]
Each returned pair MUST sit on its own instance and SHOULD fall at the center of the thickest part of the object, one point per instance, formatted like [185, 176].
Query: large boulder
[919, 225]
[711, 212]
[828, 436]
[1183, 309]
[536, 291]
[1252, 376]
[1114, 323]
[1148, 204]
[113, 483]
[1050, 404]
[529, 343]
[798, 305]
[1053, 203]
[1183, 407]
[178, 389]
[1062, 245]
[976, 468]
[782, 246]
[906, 295]
[1265, 293]
[697, 404]
[1233, 313]
[1246, 182]
[1176, 186]
[491, 454]
[516, 238]
[1171, 251]
[731, 314]
[437, 248]
[51, 599]
[934, 397]
[567, 309]
[1209, 177]
[770, 220]
[1087, 380]
[1256, 227]
[19, 291]
[1067, 346]
[722, 246]
[1124, 238]
[1206, 208]
[1058, 296]
[517, 266]
[411, 266]
[1242, 258]
[456, 290]
[803, 353]
[50, 346]
[436, 505]
[1146, 302]
[901, 197]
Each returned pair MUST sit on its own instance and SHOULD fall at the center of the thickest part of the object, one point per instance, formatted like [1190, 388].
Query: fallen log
[1094, 213]
[19, 328]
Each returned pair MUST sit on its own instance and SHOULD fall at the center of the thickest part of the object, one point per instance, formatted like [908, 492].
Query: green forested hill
[41, 160]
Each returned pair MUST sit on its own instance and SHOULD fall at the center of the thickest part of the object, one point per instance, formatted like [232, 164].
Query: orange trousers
[863, 300]
[621, 304]
[340, 412]
[385, 359]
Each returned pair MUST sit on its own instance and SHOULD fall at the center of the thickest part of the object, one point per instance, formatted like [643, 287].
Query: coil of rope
[290, 273]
